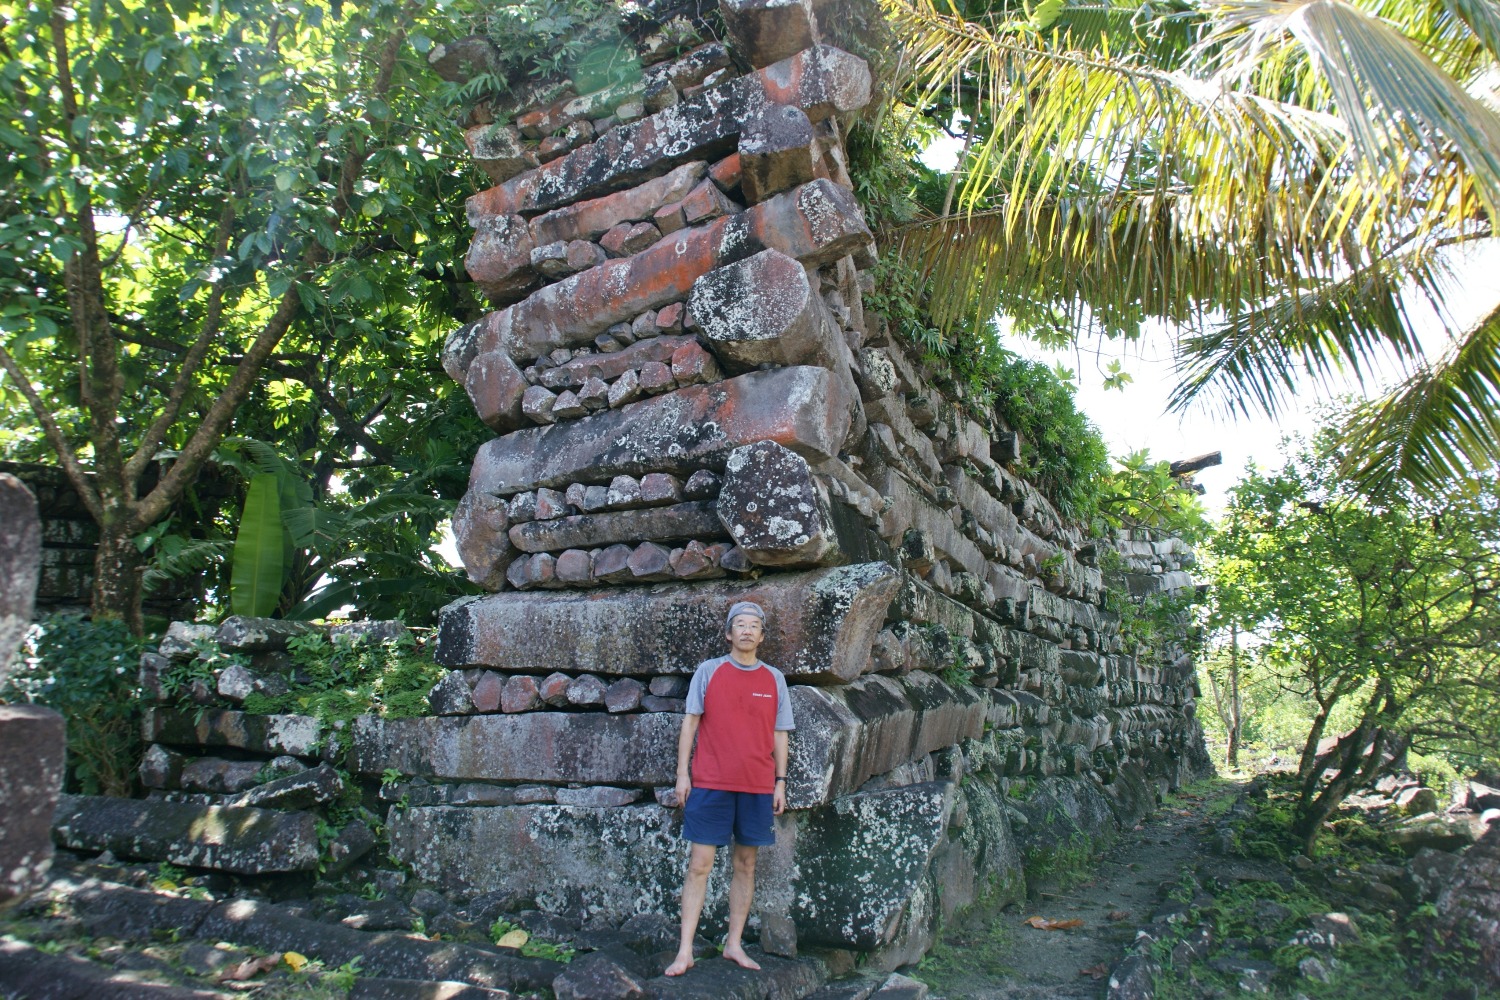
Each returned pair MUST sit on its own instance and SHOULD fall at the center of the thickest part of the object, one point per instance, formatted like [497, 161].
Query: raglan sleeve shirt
[741, 709]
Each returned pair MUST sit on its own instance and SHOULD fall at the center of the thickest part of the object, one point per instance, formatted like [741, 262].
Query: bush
[86, 670]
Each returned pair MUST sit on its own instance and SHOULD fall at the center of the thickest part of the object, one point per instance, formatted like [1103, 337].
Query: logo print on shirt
[759, 694]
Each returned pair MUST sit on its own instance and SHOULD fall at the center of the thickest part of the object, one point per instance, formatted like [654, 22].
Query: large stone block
[680, 522]
[591, 748]
[495, 386]
[591, 219]
[773, 509]
[821, 625]
[31, 772]
[480, 530]
[821, 80]
[816, 223]
[243, 841]
[847, 734]
[764, 310]
[20, 564]
[804, 409]
[776, 152]
[499, 257]
[765, 31]
[298, 735]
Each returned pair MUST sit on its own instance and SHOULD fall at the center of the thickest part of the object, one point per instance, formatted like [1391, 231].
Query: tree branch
[79, 479]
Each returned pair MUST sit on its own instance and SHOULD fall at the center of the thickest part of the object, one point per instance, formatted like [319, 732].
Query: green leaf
[259, 555]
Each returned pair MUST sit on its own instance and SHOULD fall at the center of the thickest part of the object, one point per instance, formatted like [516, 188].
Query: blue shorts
[711, 815]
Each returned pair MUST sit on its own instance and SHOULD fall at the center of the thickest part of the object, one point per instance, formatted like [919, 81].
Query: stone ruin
[692, 407]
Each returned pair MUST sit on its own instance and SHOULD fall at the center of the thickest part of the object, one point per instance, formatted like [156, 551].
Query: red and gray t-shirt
[741, 707]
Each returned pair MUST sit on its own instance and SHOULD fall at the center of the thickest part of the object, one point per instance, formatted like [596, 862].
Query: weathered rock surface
[821, 625]
[661, 524]
[773, 509]
[20, 565]
[595, 748]
[821, 81]
[764, 310]
[298, 735]
[243, 841]
[1469, 908]
[804, 409]
[31, 773]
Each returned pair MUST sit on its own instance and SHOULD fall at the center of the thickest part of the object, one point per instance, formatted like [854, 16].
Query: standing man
[739, 712]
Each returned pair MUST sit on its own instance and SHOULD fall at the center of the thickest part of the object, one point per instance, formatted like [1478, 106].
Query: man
[739, 713]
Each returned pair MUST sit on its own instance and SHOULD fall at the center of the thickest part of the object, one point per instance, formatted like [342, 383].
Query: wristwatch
[781, 777]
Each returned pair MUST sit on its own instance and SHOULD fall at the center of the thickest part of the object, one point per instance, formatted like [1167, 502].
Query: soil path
[997, 956]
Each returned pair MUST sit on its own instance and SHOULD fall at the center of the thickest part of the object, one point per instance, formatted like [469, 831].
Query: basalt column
[693, 408]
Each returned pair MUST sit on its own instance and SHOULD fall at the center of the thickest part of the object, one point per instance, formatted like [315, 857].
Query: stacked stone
[228, 789]
[678, 268]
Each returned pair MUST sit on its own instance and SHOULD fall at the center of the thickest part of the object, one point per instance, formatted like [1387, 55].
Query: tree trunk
[1235, 721]
[118, 569]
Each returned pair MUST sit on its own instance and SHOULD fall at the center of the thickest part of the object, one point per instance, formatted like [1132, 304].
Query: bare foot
[738, 957]
[680, 965]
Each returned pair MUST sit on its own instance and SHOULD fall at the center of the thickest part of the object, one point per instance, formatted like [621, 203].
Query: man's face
[745, 633]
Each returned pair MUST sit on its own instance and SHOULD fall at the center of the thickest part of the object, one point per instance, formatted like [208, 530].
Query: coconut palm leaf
[1440, 424]
[1252, 361]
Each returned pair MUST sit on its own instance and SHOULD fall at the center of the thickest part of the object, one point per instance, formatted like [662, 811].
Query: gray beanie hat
[744, 608]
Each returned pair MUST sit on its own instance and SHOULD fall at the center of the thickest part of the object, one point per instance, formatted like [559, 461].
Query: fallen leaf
[294, 961]
[513, 939]
[251, 967]
[1117, 914]
[1043, 924]
[1098, 971]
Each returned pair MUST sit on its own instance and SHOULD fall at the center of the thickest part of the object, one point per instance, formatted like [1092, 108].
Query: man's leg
[741, 894]
[694, 888]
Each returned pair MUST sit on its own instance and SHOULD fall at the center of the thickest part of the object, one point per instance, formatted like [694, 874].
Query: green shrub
[86, 670]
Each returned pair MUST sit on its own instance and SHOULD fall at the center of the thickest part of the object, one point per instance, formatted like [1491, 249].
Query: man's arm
[779, 754]
[685, 737]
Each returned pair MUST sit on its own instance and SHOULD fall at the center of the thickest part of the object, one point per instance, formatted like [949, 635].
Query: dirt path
[997, 956]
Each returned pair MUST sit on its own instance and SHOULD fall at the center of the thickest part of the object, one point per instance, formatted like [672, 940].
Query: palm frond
[1440, 424]
[1252, 360]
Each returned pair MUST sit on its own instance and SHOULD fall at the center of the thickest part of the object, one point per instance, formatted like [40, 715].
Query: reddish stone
[521, 694]
[805, 409]
[550, 505]
[496, 387]
[574, 494]
[586, 689]
[538, 571]
[694, 563]
[816, 224]
[656, 378]
[612, 565]
[660, 488]
[706, 202]
[669, 218]
[680, 521]
[629, 238]
[726, 173]
[650, 561]
[574, 566]
[583, 255]
[567, 406]
[486, 691]
[692, 365]
[821, 80]
[612, 366]
[554, 689]
[480, 523]
[624, 695]
[669, 318]
[591, 219]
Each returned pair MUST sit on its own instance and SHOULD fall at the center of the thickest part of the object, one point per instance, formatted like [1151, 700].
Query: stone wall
[692, 407]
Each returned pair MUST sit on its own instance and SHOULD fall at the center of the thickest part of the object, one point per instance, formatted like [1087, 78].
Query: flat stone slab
[680, 522]
[594, 748]
[804, 409]
[298, 735]
[821, 625]
[30, 972]
[422, 989]
[241, 840]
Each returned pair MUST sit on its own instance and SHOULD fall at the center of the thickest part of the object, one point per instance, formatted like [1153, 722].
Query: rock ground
[997, 956]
